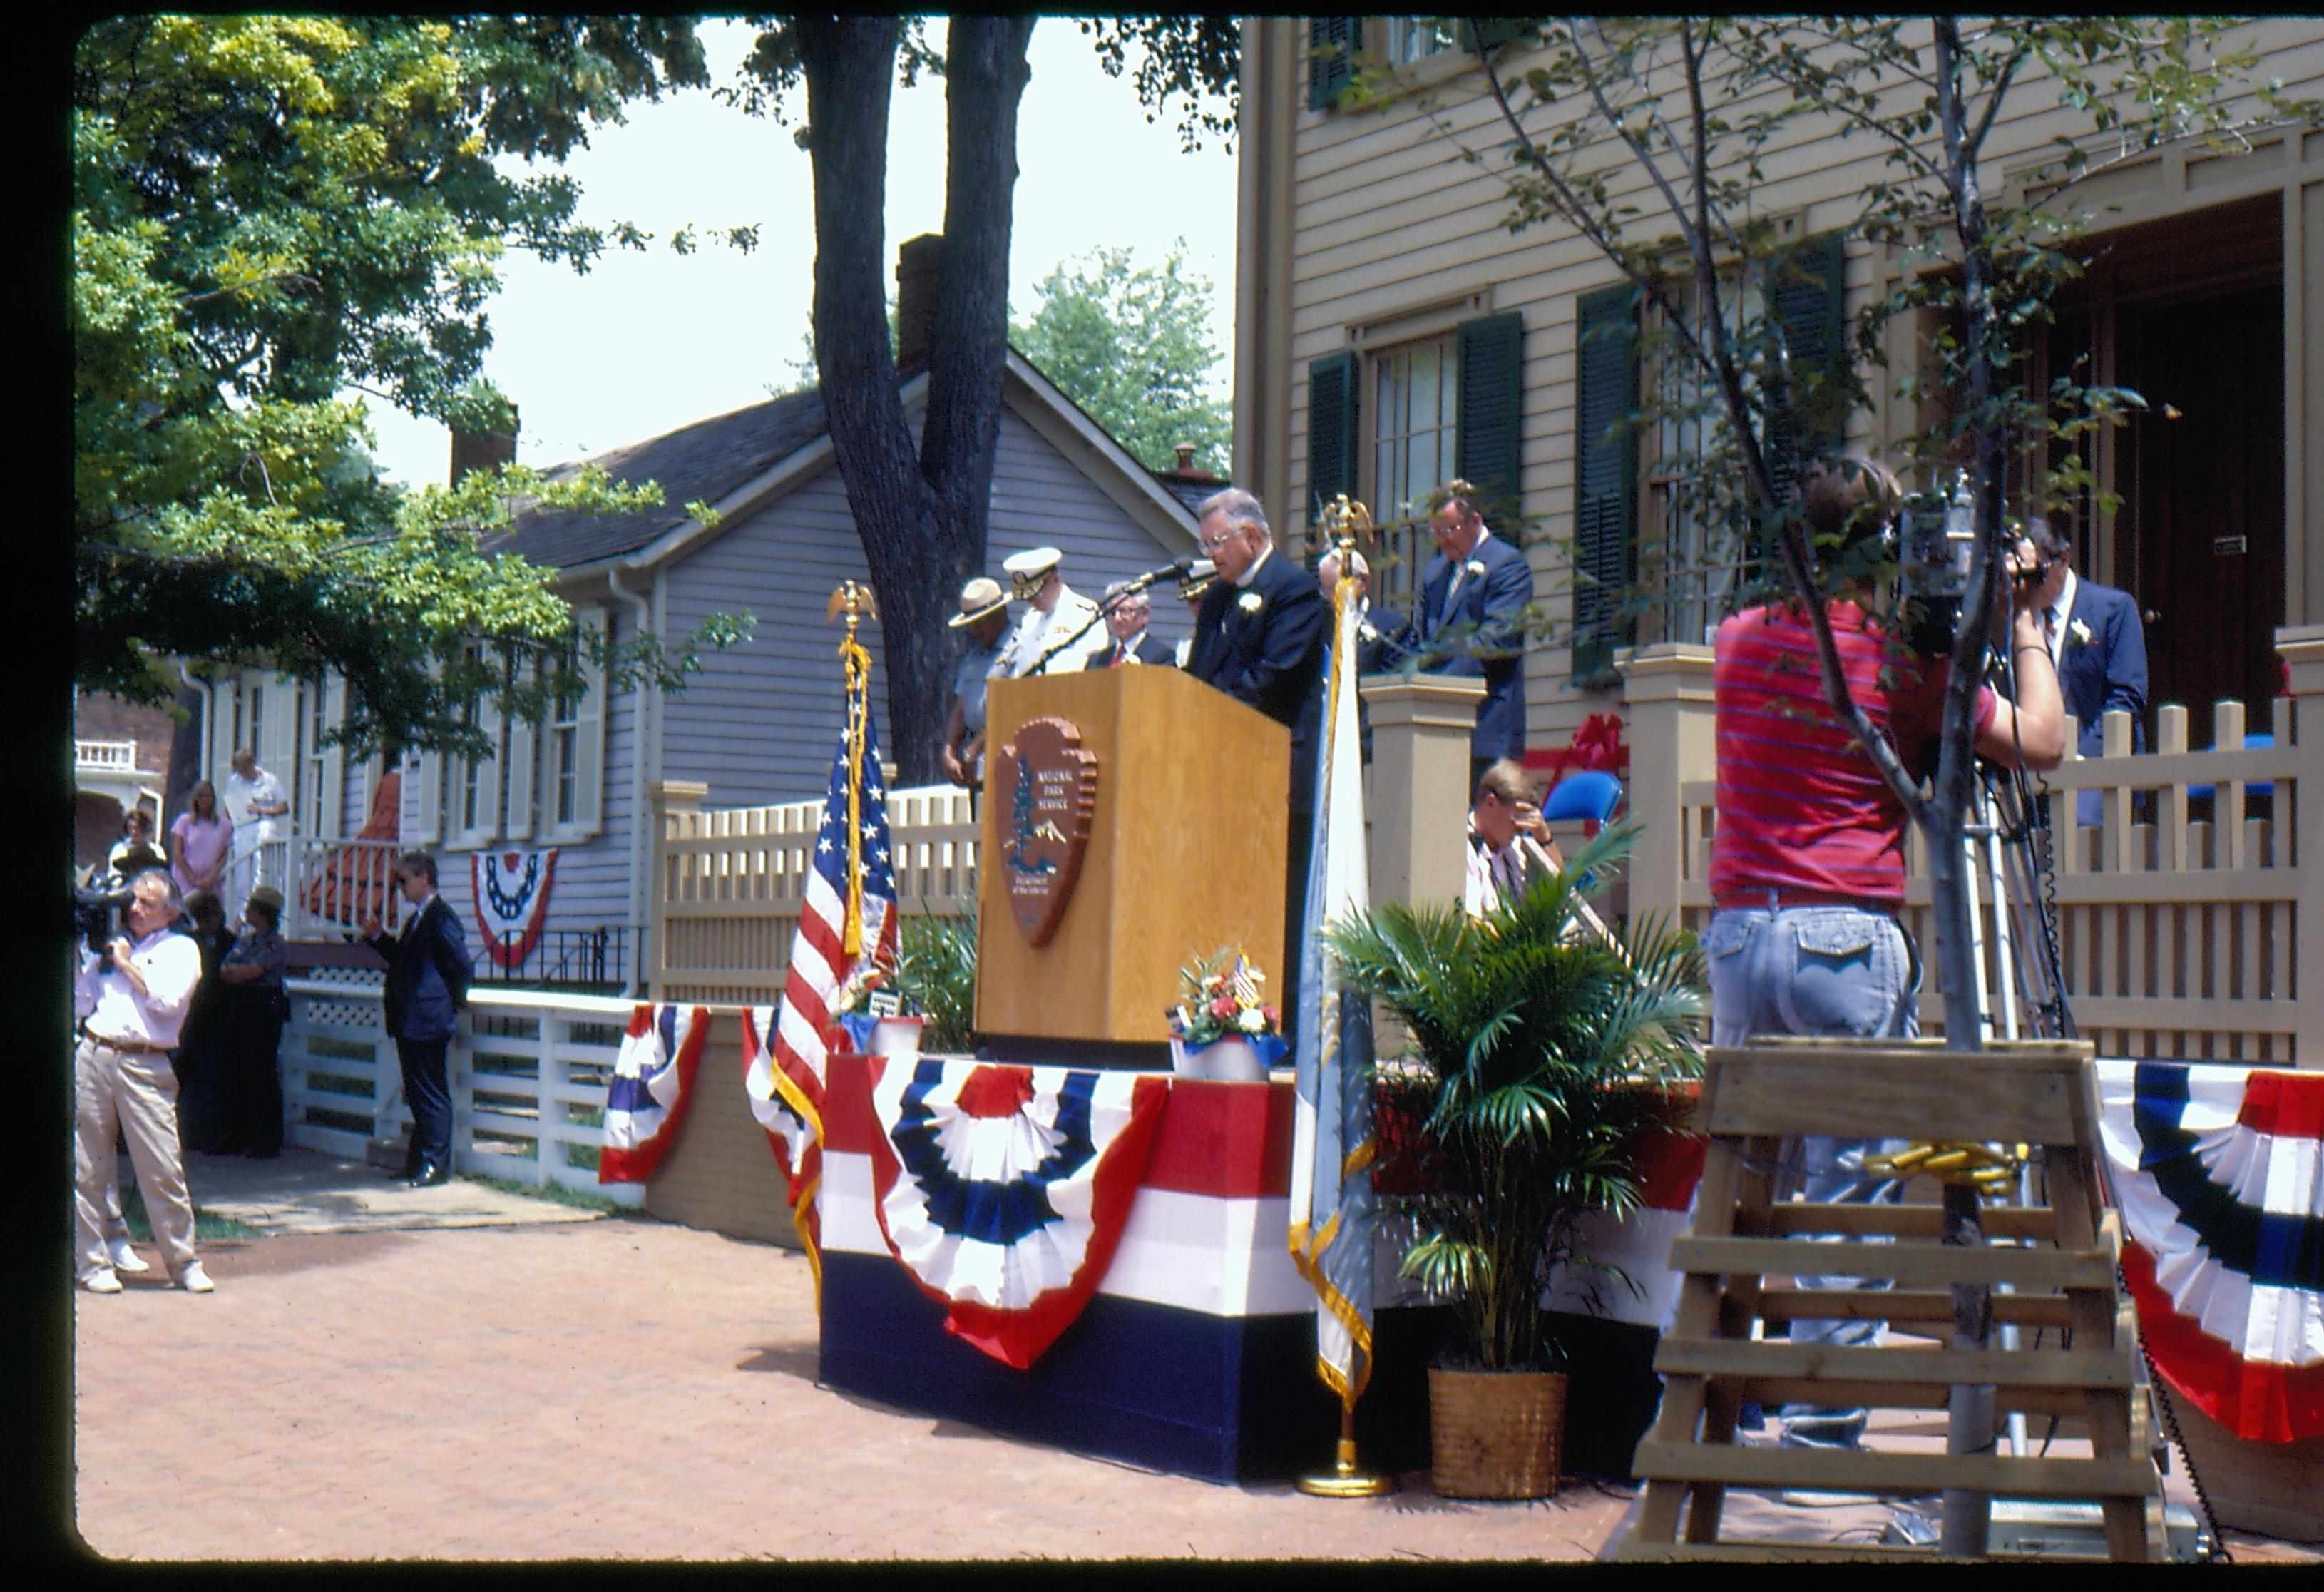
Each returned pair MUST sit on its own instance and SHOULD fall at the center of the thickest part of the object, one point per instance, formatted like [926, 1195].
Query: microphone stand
[1105, 606]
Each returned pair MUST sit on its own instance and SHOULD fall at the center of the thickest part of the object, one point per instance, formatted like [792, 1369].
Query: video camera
[1936, 548]
[97, 908]
[1936, 544]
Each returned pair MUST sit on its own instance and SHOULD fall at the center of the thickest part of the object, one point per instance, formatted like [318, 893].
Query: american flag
[785, 1076]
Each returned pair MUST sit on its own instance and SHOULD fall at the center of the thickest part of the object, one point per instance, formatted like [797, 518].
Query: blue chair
[2257, 788]
[1590, 795]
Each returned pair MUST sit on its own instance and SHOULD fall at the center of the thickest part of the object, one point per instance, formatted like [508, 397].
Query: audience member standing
[134, 852]
[255, 802]
[255, 1008]
[201, 1122]
[200, 840]
[132, 1002]
[426, 980]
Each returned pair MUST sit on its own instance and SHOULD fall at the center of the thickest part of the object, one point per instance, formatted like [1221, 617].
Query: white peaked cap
[1032, 562]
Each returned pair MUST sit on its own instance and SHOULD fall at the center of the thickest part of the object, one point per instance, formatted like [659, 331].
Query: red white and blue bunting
[651, 1087]
[1004, 1190]
[511, 895]
[2218, 1174]
[792, 1119]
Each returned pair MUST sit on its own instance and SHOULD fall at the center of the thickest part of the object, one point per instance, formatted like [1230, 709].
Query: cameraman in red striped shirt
[1807, 869]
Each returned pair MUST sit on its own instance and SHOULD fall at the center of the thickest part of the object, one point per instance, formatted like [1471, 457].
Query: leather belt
[1773, 899]
[126, 1047]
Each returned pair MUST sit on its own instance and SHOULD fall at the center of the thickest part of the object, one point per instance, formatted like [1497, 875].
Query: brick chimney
[916, 296]
[471, 451]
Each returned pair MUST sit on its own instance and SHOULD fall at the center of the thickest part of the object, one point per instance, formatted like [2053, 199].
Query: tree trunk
[922, 519]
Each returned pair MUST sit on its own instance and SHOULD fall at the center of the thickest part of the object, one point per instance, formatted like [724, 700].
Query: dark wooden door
[2201, 475]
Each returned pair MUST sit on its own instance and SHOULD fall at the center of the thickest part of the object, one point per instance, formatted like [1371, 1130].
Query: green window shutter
[1805, 286]
[1489, 425]
[1332, 404]
[1332, 45]
[1605, 476]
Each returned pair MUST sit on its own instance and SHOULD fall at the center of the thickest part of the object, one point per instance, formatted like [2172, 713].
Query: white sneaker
[125, 1259]
[101, 1282]
[194, 1280]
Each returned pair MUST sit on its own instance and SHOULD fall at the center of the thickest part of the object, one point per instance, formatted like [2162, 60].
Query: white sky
[648, 342]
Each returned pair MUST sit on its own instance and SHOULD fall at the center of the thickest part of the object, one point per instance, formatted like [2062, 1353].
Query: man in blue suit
[1259, 637]
[427, 981]
[2095, 641]
[1470, 621]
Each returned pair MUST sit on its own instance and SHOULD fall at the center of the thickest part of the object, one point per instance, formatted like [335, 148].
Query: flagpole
[1347, 1478]
[855, 667]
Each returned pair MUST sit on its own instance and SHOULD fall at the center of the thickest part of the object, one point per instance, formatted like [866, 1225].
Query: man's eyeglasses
[1211, 545]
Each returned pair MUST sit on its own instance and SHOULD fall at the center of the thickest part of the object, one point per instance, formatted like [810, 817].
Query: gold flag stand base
[1344, 1480]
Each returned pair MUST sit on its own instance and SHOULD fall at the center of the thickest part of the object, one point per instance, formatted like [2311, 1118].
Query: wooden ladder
[1738, 1260]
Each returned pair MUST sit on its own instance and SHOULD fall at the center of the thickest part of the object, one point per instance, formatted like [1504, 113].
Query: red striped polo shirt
[1801, 808]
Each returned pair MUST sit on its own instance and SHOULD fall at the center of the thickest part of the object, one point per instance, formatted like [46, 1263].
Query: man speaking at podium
[1259, 637]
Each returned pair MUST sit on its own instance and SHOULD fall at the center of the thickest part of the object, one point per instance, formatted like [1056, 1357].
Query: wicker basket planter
[1496, 1434]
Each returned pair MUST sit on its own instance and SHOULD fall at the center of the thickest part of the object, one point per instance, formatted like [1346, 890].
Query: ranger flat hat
[979, 597]
[1027, 569]
[267, 896]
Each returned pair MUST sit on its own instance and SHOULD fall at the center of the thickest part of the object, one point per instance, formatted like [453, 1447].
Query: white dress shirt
[1040, 635]
[250, 827]
[2055, 620]
[172, 965]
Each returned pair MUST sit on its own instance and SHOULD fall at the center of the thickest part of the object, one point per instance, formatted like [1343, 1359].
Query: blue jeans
[1818, 971]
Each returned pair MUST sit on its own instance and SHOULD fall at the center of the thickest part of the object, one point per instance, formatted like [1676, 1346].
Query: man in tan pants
[132, 1002]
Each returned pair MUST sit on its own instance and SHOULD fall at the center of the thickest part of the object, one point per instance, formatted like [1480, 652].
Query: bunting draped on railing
[2216, 1169]
[651, 1088]
[511, 890]
[1004, 1190]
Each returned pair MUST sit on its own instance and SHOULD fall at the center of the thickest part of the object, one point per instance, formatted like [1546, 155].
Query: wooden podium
[1185, 853]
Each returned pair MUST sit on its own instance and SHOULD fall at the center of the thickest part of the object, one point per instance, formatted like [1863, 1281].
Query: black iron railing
[584, 961]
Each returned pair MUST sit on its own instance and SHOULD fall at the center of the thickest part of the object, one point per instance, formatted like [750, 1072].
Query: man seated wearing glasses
[1259, 637]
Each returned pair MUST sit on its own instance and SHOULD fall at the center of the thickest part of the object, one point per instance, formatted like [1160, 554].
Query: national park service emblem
[1049, 787]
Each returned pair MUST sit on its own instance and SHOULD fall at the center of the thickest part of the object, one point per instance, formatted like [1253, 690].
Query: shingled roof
[709, 461]
[702, 462]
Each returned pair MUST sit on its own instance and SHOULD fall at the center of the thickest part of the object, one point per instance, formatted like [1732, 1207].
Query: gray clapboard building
[760, 723]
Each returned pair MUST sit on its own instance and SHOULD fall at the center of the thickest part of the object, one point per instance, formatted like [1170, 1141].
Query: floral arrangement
[1220, 999]
[871, 991]
[854, 996]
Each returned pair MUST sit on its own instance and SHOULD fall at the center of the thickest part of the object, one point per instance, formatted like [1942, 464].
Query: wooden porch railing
[728, 883]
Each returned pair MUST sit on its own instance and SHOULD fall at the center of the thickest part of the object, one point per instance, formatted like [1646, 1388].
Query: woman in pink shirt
[199, 841]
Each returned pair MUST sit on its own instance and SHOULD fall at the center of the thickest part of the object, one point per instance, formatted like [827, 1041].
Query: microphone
[1187, 568]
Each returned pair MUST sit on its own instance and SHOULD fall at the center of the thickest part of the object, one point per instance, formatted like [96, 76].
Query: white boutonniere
[1252, 602]
[1476, 567]
[2078, 633]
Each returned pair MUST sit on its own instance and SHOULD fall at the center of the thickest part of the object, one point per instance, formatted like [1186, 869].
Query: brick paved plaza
[622, 1388]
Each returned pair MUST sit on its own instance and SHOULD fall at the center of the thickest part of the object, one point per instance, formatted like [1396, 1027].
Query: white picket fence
[528, 1074]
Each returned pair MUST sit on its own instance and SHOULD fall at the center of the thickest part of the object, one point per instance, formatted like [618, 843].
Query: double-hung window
[1657, 555]
[1392, 423]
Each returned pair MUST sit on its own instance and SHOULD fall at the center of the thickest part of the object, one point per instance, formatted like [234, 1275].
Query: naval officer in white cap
[1061, 630]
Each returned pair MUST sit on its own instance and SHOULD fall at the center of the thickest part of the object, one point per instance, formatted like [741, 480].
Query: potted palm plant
[936, 971]
[1538, 1056]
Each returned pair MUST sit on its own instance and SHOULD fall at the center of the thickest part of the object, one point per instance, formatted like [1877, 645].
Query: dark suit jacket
[1150, 649]
[1271, 659]
[2107, 671]
[427, 973]
[1478, 631]
[1389, 645]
